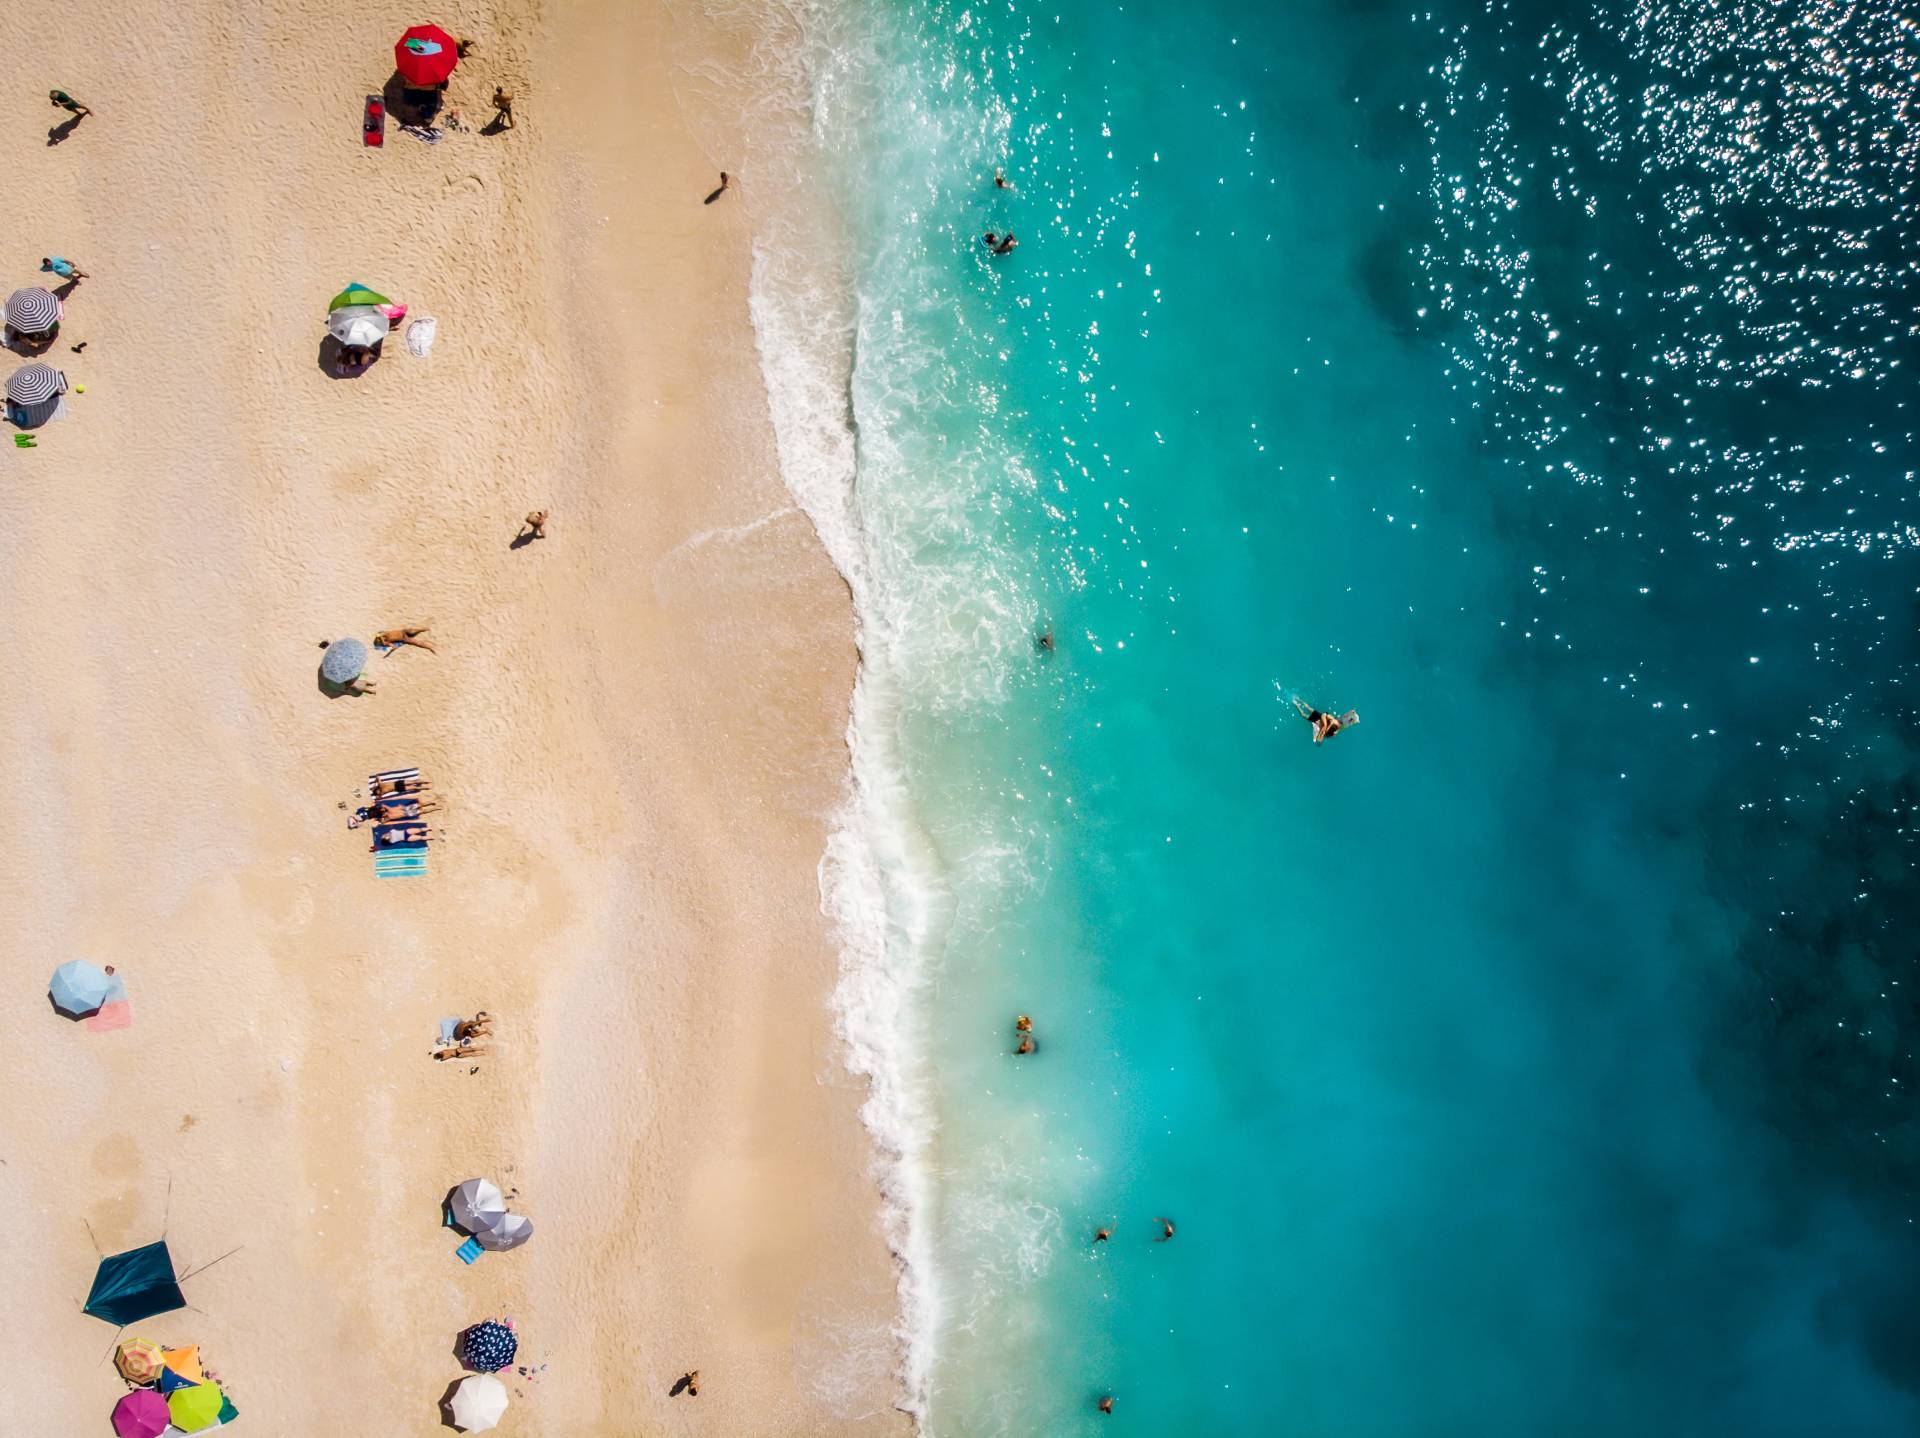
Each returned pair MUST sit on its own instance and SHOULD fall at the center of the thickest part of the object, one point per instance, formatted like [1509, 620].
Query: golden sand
[635, 726]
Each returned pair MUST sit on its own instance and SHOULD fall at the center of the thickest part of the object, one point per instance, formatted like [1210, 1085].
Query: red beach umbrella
[425, 56]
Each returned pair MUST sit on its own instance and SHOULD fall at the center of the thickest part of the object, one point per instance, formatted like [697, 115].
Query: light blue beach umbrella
[79, 988]
[344, 660]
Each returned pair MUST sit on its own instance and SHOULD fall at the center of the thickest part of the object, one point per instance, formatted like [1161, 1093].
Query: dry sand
[635, 725]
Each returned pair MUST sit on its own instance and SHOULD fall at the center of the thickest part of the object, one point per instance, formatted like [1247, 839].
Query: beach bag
[420, 336]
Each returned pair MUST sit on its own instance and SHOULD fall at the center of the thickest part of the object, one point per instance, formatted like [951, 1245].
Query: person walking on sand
[502, 108]
[726, 183]
[1166, 1229]
[63, 101]
[534, 526]
[1325, 726]
[690, 1381]
[66, 269]
[394, 638]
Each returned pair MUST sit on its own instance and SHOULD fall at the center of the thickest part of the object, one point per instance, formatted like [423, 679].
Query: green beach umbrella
[194, 1408]
[356, 295]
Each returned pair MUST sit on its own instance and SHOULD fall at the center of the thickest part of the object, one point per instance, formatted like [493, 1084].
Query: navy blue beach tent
[134, 1285]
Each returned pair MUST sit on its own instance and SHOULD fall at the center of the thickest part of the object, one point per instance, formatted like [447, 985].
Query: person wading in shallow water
[1325, 726]
[1106, 1404]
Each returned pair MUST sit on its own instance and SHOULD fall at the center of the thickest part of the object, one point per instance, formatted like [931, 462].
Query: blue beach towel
[469, 1251]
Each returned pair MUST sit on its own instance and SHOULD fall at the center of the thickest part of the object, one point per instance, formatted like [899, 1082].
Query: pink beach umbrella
[141, 1414]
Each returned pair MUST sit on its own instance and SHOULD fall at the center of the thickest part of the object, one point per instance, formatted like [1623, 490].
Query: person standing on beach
[534, 526]
[1325, 726]
[63, 101]
[64, 268]
[502, 108]
[726, 183]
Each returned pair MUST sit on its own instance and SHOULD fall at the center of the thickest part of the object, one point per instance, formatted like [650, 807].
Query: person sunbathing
[394, 638]
[399, 786]
[389, 811]
[402, 834]
[477, 1027]
[458, 1051]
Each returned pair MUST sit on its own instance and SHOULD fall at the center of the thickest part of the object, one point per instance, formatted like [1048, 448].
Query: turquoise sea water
[1534, 1058]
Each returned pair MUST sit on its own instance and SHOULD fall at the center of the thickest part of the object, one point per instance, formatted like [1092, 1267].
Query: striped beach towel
[403, 862]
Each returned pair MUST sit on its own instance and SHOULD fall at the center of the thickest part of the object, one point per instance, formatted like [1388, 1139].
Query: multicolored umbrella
[488, 1347]
[356, 294]
[425, 56]
[360, 325]
[195, 1408]
[32, 310]
[79, 988]
[139, 1360]
[344, 660]
[478, 1403]
[35, 384]
[141, 1414]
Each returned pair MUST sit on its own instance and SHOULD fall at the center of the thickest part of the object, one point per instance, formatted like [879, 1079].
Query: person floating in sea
[1000, 244]
[63, 101]
[726, 183]
[1325, 726]
[1101, 1235]
[1106, 1404]
[1027, 1045]
[1166, 1229]
[1043, 641]
[534, 526]
[408, 634]
[1000, 182]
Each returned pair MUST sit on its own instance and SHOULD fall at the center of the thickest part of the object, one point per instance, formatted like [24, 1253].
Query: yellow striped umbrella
[139, 1359]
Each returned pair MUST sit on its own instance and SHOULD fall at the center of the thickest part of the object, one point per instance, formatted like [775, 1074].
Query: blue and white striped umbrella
[488, 1347]
[35, 384]
[32, 310]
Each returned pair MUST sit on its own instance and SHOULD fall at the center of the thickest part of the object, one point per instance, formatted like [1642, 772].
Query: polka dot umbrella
[488, 1347]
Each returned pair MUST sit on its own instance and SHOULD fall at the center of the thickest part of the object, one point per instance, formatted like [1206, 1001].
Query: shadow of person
[64, 290]
[496, 126]
[679, 1385]
[63, 131]
[523, 539]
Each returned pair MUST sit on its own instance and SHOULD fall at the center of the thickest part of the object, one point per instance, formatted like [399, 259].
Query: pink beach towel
[116, 1015]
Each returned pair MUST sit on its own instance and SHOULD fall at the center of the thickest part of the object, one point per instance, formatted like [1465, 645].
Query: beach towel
[407, 863]
[392, 836]
[469, 1251]
[421, 335]
[110, 1016]
[391, 775]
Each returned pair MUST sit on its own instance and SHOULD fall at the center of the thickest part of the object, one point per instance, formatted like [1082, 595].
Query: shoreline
[638, 724]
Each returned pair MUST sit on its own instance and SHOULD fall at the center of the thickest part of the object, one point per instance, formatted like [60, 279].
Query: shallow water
[1534, 1057]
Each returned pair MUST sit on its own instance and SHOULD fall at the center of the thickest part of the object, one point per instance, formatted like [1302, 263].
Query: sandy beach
[635, 725]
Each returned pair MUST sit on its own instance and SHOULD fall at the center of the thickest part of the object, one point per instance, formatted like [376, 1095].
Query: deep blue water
[1533, 1058]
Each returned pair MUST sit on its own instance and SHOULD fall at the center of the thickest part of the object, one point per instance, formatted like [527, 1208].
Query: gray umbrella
[476, 1205]
[510, 1230]
[344, 660]
[32, 310]
[35, 384]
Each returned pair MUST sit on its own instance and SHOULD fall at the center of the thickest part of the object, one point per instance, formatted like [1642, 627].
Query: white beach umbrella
[478, 1403]
[509, 1230]
[359, 325]
[476, 1206]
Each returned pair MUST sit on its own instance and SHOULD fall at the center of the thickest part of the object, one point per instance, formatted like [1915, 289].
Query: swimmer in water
[1166, 1229]
[1325, 726]
[1101, 1235]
